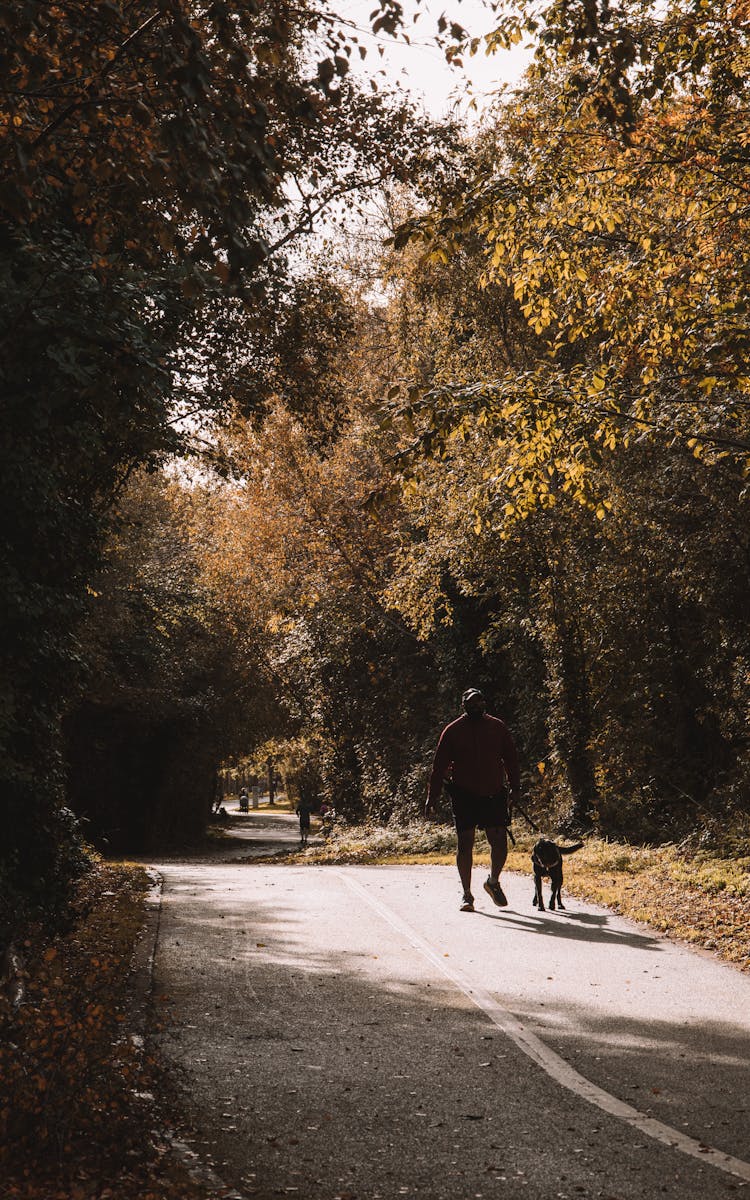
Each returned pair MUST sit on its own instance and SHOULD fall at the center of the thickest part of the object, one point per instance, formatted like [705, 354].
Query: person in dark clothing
[477, 763]
[304, 810]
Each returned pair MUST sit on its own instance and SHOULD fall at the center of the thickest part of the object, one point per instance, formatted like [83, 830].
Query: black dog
[546, 859]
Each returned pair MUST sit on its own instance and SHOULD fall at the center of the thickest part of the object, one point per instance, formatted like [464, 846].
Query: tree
[624, 243]
[167, 693]
[621, 236]
[298, 557]
[147, 154]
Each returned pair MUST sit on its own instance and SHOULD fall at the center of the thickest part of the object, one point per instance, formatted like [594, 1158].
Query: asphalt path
[347, 1032]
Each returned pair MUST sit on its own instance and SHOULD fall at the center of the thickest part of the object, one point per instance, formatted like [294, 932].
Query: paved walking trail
[347, 1032]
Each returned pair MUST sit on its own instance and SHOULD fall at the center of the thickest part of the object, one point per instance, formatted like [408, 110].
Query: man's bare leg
[498, 840]
[465, 857]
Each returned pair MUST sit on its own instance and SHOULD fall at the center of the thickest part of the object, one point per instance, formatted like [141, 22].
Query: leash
[527, 818]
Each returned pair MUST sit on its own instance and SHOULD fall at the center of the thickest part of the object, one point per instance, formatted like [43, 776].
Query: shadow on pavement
[586, 927]
[314, 1067]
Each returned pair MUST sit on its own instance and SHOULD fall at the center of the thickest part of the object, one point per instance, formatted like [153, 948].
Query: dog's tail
[570, 849]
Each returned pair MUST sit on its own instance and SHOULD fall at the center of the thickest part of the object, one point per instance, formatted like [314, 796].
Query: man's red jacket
[478, 755]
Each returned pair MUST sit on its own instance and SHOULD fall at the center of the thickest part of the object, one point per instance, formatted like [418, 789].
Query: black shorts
[478, 812]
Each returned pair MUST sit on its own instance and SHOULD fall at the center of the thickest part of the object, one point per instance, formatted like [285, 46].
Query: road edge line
[551, 1062]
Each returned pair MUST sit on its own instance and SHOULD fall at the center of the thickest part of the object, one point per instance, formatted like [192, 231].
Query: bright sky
[421, 67]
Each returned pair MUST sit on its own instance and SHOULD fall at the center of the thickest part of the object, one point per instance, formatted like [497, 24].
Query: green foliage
[145, 157]
[162, 702]
[296, 353]
[590, 474]
[66, 371]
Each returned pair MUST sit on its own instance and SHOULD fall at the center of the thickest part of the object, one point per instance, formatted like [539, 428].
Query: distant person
[476, 761]
[244, 800]
[304, 810]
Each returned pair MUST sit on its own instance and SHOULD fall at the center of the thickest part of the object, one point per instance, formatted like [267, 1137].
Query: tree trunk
[571, 725]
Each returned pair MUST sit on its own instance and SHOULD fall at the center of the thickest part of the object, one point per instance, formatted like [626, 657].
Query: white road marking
[547, 1059]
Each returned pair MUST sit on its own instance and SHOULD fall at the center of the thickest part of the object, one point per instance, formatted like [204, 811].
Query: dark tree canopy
[156, 160]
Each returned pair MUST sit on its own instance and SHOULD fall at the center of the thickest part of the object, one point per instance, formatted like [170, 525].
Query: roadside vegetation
[77, 1109]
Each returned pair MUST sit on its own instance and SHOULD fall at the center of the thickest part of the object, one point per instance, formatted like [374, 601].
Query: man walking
[304, 809]
[477, 762]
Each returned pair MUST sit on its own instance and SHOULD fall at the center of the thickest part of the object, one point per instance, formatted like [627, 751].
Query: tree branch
[106, 69]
